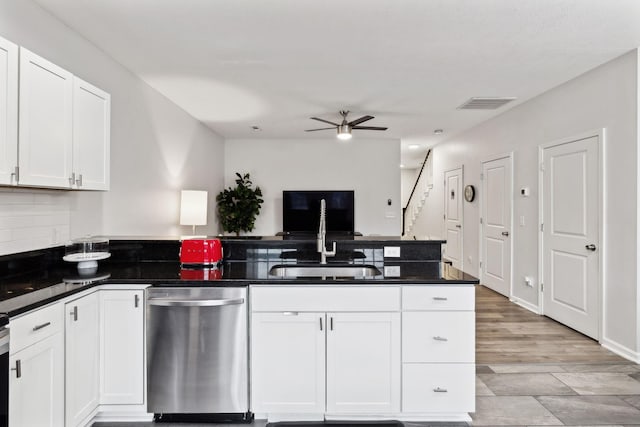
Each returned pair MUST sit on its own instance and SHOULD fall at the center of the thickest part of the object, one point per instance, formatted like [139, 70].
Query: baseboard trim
[621, 350]
[525, 304]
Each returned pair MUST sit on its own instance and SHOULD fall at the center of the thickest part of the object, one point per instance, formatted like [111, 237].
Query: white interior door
[570, 237]
[497, 198]
[453, 216]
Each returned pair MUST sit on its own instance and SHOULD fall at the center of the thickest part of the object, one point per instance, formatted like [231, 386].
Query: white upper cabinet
[8, 111]
[45, 123]
[91, 137]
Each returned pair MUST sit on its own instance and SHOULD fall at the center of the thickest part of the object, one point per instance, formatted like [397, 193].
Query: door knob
[590, 247]
[505, 233]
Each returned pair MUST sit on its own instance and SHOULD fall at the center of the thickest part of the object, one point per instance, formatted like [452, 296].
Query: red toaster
[201, 251]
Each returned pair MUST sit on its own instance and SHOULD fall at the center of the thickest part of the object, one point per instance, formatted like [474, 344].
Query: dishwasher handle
[170, 302]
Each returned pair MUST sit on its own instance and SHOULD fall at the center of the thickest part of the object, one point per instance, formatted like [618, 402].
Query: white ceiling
[234, 64]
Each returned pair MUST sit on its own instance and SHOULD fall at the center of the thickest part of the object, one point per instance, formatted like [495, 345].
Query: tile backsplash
[33, 219]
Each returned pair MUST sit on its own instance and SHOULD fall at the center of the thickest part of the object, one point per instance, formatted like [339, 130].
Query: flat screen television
[301, 211]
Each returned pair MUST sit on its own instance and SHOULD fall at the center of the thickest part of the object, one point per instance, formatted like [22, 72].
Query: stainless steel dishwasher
[197, 357]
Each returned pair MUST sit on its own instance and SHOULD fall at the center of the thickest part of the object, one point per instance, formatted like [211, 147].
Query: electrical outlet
[391, 271]
[392, 251]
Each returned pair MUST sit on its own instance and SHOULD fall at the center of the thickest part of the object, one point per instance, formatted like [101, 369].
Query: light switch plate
[392, 251]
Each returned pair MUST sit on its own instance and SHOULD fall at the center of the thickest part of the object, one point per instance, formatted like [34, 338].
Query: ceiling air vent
[484, 103]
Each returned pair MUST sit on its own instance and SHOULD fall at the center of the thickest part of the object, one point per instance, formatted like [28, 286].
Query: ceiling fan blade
[360, 120]
[313, 130]
[369, 128]
[325, 121]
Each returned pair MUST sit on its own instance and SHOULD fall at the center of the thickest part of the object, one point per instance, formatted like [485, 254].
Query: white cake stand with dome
[87, 252]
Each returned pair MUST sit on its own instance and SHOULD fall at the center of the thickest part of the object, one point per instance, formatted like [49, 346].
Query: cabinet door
[91, 140]
[122, 347]
[363, 363]
[287, 362]
[82, 358]
[45, 131]
[8, 111]
[36, 397]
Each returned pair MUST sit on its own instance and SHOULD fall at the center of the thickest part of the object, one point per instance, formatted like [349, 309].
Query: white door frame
[601, 135]
[444, 207]
[482, 198]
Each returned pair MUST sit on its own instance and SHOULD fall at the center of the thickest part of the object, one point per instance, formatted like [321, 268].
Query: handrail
[413, 190]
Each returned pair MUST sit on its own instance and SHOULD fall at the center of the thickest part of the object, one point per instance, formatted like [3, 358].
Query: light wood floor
[508, 333]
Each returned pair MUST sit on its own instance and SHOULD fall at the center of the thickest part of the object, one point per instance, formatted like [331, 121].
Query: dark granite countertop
[32, 279]
[40, 288]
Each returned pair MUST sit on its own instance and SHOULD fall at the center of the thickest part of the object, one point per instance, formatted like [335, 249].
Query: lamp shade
[193, 207]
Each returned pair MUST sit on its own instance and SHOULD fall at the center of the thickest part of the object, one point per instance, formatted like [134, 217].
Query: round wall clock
[469, 193]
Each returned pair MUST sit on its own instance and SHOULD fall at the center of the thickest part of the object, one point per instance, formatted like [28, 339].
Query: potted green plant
[239, 207]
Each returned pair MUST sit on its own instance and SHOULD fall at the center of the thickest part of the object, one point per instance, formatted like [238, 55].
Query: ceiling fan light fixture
[344, 132]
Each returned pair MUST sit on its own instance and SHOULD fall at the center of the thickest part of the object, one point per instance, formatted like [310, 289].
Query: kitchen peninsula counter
[34, 279]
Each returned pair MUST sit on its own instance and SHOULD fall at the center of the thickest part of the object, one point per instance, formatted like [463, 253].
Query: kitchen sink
[324, 270]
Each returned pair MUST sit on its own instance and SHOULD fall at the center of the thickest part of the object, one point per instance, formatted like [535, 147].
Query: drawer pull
[18, 368]
[438, 338]
[289, 313]
[38, 327]
[440, 298]
[440, 390]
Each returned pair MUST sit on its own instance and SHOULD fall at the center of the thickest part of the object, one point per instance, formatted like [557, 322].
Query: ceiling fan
[344, 129]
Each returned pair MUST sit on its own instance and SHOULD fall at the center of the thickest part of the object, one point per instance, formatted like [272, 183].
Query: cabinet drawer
[457, 297]
[325, 298]
[35, 326]
[438, 387]
[438, 336]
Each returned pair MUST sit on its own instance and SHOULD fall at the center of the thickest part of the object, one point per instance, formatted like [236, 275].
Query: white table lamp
[193, 208]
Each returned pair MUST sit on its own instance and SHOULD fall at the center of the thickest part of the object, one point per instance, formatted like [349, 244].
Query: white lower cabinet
[438, 349]
[36, 376]
[78, 358]
[36, 397]
[363, 363]
[438, 387]
[288, 362]
[316, 362]
[82, 359]
[357, 352]
[121, 347]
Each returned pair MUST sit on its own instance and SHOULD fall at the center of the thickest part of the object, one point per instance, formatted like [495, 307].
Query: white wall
[408, 179]
[370, 167]
[156, 149]
[606, 97]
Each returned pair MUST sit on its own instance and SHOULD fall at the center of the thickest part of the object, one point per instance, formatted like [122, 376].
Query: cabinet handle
[74, 313]
[289, 313]
[72, 178]
[331, 323]
[321, 323]
[16, 174]
[18, 368]
[438, 338]
[38, 327]
[440, 390]
[79, 180]
[136, 300]
[440, 298]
